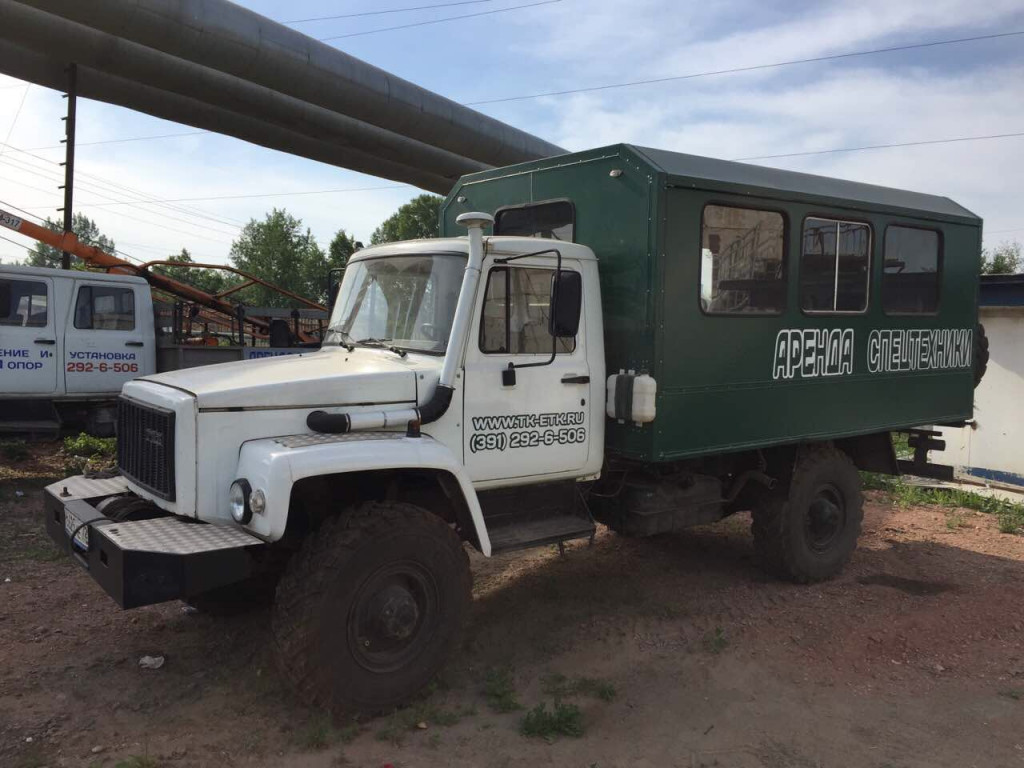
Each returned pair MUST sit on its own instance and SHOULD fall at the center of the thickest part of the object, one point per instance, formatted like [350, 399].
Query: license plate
[71, 522]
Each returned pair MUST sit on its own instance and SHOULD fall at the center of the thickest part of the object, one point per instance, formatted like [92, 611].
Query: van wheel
[808, 532]
[370, 607]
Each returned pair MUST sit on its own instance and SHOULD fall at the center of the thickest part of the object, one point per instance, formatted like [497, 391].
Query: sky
[941, 92]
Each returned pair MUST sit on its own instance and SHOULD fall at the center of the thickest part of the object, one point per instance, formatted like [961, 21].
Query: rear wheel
[368, 611]
[808, 531]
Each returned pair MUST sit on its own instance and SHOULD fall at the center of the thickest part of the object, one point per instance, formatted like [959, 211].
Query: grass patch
[559, 686]
[402, 721]
[137, 761]
[1017, 694]
[562, 720]
[1009, 515]
[715, 642]
[46, 553]
[14, 450]
[500, 690]
[955, 521]
[317, 734]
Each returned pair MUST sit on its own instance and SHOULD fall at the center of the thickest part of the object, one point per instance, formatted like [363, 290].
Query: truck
[626, 336]
[70, 339]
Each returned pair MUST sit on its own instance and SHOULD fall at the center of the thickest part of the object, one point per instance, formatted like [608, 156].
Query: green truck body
[748, 380]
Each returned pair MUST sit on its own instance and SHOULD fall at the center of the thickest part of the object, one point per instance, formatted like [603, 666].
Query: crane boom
[96, 257]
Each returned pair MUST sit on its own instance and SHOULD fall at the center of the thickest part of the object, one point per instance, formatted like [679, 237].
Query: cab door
[106, 339]
[28, 341]
[532, 419]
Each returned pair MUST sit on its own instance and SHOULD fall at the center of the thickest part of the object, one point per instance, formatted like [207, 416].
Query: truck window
[834, 266]
[23, 303]
[555, 220]
[103, 308]
[742, 269]
[910, 279]
[515, 317]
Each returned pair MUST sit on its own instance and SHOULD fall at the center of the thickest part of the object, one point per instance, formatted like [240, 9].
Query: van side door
[28, 340]
[106, 337]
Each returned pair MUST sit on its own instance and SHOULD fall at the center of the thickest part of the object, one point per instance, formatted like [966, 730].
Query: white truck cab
[444, 359]
[72, 335]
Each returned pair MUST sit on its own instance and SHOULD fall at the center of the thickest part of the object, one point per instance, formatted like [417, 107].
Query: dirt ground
[914, 657]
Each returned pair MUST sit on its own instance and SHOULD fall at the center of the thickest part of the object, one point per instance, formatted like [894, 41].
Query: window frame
[785, 257]
[92, 309]
[940, 264]
[869, 274]
[46, 291]
[499, 211]
[508, 313]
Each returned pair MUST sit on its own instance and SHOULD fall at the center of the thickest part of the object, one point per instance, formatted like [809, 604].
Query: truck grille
[145, 446]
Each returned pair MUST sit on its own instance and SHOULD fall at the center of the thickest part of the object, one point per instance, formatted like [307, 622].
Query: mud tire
[807, 532]
[328, 607]
[981, 354]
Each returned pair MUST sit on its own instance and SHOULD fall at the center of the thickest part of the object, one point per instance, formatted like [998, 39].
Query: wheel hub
[394, 612]
[826, 518]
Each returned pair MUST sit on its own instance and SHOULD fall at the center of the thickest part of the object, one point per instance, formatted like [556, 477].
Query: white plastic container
[631, 397]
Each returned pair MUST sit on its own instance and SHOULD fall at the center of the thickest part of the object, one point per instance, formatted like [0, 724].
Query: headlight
[241, 512]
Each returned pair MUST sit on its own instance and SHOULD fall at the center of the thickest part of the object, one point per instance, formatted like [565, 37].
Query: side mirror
[566, 302]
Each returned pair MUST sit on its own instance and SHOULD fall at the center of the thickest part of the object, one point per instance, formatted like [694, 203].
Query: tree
[43, 255]
[279, 251]
[342, 246]
[416, 219]
[1003, 260]
[208, 280]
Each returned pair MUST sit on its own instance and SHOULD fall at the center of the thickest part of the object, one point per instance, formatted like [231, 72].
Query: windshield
[402, 301]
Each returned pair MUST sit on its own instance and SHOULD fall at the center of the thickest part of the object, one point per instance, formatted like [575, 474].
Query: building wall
[992, 449]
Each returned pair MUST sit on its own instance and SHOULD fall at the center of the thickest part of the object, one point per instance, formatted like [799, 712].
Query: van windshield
[402, 301]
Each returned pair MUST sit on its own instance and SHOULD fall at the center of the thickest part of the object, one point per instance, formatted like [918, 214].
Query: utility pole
[69, 156]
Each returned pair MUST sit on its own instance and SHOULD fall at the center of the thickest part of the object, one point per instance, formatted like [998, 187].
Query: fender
[274, 465]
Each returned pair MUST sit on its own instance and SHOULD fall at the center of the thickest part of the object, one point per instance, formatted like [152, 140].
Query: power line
[881, 146]
[129, 190]
[20, 210]
[383, 12]
[15, 242]
[89, 187]
[79, 144]
[439, 21]
[265, 194]
[751, 68]
[14, 122]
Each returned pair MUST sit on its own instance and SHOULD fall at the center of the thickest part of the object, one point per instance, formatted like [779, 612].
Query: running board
[537, 533]
[535, 515]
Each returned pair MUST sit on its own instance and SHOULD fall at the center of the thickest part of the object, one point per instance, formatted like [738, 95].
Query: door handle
[572, 379]
[135, 343]
[46, 341]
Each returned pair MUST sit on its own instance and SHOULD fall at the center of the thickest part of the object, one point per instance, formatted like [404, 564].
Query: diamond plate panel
[302, 441]
[172, 536]
[82, 487]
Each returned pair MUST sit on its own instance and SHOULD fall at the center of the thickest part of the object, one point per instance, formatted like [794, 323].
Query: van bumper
[146, 561]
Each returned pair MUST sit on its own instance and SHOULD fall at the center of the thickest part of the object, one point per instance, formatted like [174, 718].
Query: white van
[70, 337]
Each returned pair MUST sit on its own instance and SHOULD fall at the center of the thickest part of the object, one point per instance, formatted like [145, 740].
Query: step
[35, 428]
[535, 533]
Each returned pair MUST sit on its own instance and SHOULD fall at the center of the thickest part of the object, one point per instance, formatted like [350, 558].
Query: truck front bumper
[147, 561]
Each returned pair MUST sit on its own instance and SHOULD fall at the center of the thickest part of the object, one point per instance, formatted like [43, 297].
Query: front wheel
[809, 531]
[368, 611]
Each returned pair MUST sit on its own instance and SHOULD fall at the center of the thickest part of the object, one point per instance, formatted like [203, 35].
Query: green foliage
[1009, 515]
[209, 280]
[500, 690]
[562, 720]
[1005, 259]
[715, 642]
[87, 445]
[317, 734]
[14, 450]
[137, 761]
[416, 219]
[955, 521]
[342, 246]
[279, 251]
[559, 687]
[88, 233]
